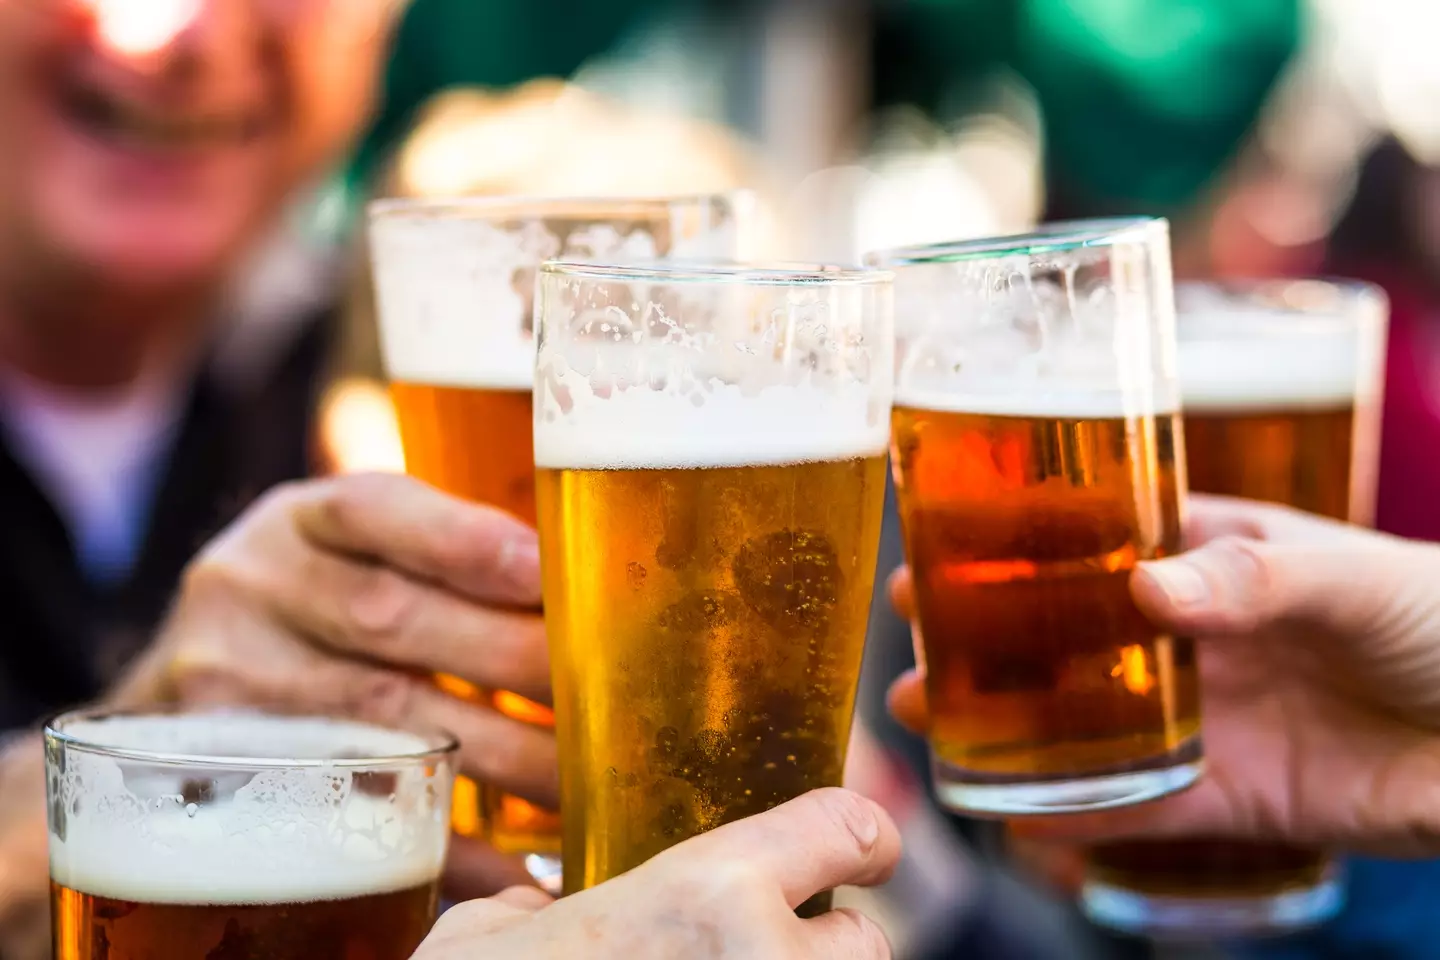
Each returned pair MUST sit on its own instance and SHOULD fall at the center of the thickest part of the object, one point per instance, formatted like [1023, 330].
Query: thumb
[1235, 586]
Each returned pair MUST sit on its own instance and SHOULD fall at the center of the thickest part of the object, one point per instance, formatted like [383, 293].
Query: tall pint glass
[1281, 385]
[454, 281]
[1037, 459]
[711, 451]
[194, 836]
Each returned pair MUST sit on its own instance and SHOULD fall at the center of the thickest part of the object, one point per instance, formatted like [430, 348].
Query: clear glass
[199, 835]
[1037, 459]
[1281, 384]
[710, 443]
[454, 283]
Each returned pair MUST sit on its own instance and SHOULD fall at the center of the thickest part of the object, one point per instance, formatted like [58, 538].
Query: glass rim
[440, 742]
[1352, 292]
[740, 273]
[1048, 238]
[493, 206]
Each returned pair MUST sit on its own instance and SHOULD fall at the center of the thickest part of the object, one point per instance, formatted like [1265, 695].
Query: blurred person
[147, 153]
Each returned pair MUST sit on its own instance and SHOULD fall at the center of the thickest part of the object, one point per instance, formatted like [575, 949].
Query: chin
[156, 254]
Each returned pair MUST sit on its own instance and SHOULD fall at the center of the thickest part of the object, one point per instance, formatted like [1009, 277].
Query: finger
[1211, 517]
[378, 613]
[816, 842]
[482, 553]
[846, 934]
[476, 869]
[908, 704]
[467, 922]
[529, 899]
[495, 749]
[901, 588]
[1355, 586]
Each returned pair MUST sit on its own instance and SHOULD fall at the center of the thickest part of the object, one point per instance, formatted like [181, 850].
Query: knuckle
[866, 938]
[1241, 576]
[852, 817]
[724, 884]
[384, 698]
[383, 608]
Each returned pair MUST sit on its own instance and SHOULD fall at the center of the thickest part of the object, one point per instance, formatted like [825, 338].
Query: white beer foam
[281, 835]
[1028, 399]
[719, 427]
[447, 305]
[1269, 373]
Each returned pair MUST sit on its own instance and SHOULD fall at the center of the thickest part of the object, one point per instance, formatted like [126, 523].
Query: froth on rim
[780, 425]
[244, 740]
[1033, 401]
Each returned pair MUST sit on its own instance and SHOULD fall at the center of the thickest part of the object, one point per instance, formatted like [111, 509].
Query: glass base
[965, 792]
[1211, 918]
[546, 871]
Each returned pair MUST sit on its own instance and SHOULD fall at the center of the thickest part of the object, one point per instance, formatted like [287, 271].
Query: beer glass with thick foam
[1036, 453]
[196, 836]
[711, 450]
[1281, 385]
[454, 283]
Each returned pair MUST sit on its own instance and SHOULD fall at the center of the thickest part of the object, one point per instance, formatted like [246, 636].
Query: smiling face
[145, 143]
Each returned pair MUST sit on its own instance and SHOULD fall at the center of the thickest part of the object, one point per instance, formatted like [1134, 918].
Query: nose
[151, 33]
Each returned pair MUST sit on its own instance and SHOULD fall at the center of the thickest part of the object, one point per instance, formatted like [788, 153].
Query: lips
[111, 117]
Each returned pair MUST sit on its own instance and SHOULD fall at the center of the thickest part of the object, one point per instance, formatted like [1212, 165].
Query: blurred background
[1282, 138]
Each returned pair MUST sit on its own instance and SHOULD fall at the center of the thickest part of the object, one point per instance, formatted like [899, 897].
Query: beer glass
[1281, 385]
[711, 451]
[454, 282]
[194, 836]
[1036, 458]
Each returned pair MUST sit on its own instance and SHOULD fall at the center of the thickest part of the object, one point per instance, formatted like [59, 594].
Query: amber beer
[1279, 406]
[169, 854]
[708, 558]
[475, 442]
[1023, 531]
[1035, 447]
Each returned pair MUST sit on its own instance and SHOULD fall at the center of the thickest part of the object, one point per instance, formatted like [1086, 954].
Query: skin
[142, 155]
[1320, 660]
[727, 894]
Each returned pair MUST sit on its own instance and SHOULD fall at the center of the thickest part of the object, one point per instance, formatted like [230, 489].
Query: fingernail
[1180, 581]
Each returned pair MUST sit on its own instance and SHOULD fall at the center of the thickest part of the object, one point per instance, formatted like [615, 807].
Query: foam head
[1254, 360]
[234, 828]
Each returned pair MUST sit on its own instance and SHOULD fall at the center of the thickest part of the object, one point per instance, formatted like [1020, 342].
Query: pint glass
[711, 452]
[1281, 385]
[454, 283]
[1037, 460]
[197, 836]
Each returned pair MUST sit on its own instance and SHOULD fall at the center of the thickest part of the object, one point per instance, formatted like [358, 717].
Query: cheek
[334, 68]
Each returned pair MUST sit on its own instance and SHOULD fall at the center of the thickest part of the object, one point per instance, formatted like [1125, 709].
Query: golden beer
[1279, 406]
[454, 282]
[204, 836]
[708, 540]
[1023, 532]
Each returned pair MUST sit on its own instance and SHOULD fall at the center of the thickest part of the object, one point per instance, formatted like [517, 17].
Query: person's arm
[24, 865]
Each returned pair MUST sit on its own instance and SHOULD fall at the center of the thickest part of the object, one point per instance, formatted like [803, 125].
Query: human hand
[729, 893]
[1319, 649]
[343, 596]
